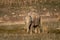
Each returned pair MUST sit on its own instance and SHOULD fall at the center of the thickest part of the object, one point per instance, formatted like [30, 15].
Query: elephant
[28, 22]
[32, 21]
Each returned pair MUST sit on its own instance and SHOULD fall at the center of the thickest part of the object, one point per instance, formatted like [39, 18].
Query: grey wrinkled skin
[32, 21]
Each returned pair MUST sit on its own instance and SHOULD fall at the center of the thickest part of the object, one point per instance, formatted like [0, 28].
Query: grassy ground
[17, 32]
[20, 29]
[12, 28]
[16, 36]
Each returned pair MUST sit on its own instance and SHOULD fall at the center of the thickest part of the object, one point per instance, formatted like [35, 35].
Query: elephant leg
[31, 29]
[27, 27]
[27, 30]
[38, 30]
[35, 30]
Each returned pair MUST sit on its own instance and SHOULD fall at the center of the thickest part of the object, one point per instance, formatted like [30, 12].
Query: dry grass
[17, 32]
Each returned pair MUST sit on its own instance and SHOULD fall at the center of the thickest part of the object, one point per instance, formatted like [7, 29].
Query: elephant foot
[36, 30]
[30, 32]
[39, 32]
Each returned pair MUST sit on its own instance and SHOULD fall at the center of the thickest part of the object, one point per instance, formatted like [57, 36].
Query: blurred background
[12, 12]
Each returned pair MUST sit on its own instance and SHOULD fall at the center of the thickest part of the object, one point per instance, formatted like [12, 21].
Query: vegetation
[17, 32]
